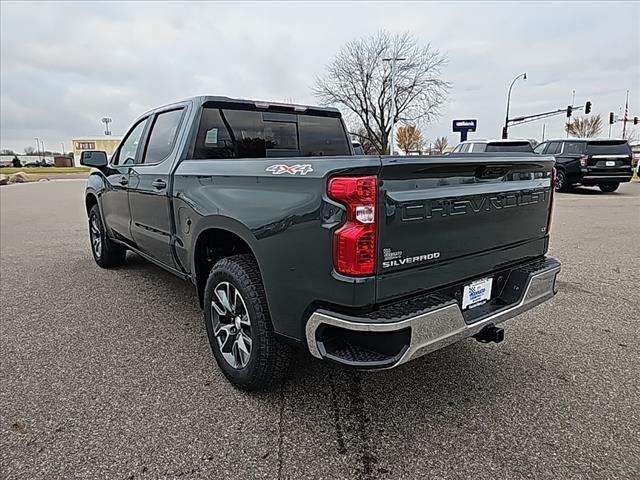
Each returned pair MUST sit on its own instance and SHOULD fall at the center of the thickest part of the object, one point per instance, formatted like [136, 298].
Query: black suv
[605, 163]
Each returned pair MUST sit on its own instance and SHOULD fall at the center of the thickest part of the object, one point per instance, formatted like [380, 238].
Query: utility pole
[393, 100]
[573, 101]
[62, 145]
[38, 147]
[544, 126]
[626, 112]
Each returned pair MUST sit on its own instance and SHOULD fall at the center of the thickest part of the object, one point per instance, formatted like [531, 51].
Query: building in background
[106, 143]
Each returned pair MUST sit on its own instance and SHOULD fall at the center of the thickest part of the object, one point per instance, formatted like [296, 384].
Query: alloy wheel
[96, 236]
[231, 325]
[559, 180]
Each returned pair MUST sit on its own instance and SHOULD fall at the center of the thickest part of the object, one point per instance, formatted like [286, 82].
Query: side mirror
[93, 158]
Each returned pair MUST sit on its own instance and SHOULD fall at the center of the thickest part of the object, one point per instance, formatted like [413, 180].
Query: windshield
[608, 147]
[509, 147]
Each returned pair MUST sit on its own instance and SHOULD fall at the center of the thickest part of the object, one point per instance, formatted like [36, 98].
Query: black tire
[269, 359]
[561, 181]
[608, 187]
[106, 252]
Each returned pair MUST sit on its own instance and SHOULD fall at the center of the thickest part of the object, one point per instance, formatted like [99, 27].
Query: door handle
[124, 180]
[159, 184]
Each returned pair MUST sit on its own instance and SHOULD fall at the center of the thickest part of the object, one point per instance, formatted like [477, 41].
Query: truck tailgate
[448, 219]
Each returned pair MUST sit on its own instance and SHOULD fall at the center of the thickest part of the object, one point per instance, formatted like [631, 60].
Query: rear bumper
[595, 177]
[606, 178]
[380, 343]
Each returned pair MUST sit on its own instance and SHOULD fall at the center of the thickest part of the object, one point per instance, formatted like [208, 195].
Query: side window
[163, 136]
[126, 154]
[465, 147]
[553, 148]
[540, 148]
[479, 147]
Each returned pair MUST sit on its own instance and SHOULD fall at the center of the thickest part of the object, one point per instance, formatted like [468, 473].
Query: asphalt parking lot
[108, 374]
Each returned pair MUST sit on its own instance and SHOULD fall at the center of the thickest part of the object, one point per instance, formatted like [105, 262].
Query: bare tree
[584, 127]
[29, 150]
[409, 138]
[359, 80]
[441, 144]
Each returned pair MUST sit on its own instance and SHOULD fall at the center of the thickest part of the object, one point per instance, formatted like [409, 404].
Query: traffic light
[569, 110]
[610, 118]
[635, 120]
[587, 107]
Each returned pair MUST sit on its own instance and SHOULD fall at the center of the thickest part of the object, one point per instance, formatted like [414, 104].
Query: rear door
[115, 198]
[443, 221]
[149, 186]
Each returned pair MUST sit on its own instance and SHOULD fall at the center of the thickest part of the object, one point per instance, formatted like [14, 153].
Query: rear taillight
[354, 244]
[583, 160]
[552, 192]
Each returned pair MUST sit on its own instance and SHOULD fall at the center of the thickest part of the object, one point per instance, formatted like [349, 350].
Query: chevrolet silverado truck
[291, 239]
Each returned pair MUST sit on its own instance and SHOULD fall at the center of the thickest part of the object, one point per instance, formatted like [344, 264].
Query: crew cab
[291, 239]
[494, 146]
[589, 162]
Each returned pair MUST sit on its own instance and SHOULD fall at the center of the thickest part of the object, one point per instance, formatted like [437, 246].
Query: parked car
[357, 147]
[494, 146]
[290, 239]
[605, 163]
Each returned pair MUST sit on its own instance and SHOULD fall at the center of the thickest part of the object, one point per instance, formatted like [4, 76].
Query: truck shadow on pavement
[362, 419]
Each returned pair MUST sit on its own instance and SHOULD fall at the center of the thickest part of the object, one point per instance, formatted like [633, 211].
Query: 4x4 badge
[290, 169]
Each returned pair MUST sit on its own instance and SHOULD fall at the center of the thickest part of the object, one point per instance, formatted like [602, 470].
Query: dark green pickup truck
[291, 239]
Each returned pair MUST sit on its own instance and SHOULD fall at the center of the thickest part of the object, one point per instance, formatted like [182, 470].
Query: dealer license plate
[476, 293]
[610, 163]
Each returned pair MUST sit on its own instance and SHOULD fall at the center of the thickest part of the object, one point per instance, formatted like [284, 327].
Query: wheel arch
[90, 200]
[213, 243]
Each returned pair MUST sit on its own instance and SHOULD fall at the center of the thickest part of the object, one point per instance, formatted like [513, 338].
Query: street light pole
[393, 100]
[38, 147]
[506, 118]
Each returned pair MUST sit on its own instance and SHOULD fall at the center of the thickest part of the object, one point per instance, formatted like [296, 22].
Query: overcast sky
[66, 65]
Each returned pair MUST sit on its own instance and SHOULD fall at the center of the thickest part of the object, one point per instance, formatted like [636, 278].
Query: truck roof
[591, 139]
[266, 104]
[496, 140]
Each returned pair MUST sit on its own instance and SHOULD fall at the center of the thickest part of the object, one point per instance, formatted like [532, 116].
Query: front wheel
[239, 325]
[608, 187]
[106, 252]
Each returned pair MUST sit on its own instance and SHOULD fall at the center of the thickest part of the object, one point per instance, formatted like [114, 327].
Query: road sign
[464, 126]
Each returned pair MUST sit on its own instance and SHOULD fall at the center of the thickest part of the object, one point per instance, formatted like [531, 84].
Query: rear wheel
[608, 187]
[561, 181]
[106, 252]
[239, 326]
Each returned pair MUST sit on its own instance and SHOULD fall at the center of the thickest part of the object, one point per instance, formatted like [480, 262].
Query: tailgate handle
[492, 171]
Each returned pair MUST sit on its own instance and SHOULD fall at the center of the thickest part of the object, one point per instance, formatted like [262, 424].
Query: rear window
[509, 147]
[226, 133]
[608, 147]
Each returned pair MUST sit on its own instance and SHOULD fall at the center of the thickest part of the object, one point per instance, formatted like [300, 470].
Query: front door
[115, 199]
[149, 187]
